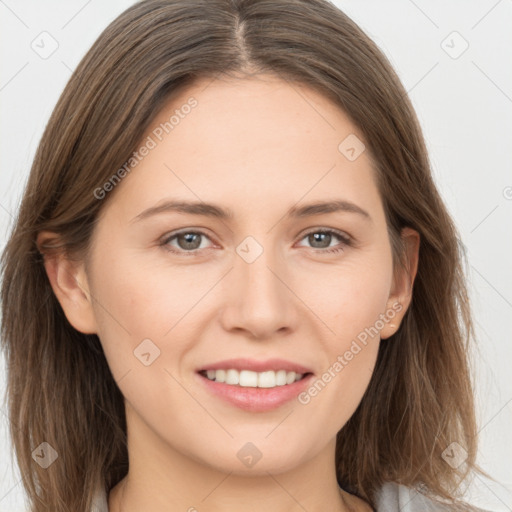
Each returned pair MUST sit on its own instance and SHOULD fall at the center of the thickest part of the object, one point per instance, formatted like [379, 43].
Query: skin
[257, 146]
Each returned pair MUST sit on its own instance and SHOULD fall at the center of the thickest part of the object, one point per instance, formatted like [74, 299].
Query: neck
[162, 479]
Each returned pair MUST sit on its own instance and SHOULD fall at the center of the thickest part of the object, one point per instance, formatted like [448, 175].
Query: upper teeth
[247, 378]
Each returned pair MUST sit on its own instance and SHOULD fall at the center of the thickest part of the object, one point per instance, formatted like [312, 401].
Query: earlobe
[403, 282]
[69, 283]
[388, 330]
[391, 326]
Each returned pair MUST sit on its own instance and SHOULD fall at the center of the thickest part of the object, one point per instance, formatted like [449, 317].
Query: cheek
[351, 304]
[139, 299]
[348, 297]
[358, 321]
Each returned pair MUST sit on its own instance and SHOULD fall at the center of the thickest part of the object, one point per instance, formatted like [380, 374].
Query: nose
[259, 300]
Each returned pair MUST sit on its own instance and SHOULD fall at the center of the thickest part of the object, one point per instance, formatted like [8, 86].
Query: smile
[251, 379]
[244, 392]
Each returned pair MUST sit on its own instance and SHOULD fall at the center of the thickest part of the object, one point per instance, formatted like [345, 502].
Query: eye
[321, 239]
[188, 242]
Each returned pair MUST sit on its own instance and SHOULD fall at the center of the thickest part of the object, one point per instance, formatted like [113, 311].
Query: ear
[403, 280]
[69, 283]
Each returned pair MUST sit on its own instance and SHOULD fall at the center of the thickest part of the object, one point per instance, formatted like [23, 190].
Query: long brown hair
[60, 388]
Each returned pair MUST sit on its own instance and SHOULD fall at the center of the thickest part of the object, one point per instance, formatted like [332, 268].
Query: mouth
[250, 379]
[255, 386]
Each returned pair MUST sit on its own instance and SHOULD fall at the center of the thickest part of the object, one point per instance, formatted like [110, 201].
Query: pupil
[314, 237]
[190, 243]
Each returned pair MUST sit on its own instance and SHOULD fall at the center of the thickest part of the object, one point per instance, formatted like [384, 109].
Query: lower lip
[256, 399]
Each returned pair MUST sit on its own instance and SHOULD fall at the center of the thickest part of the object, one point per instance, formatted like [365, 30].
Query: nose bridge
[260, 301]
[255, 269]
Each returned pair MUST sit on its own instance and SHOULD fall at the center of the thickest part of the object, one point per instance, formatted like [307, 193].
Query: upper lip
[256, 366]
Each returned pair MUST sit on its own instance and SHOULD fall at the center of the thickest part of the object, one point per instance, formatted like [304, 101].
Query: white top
[392, 497]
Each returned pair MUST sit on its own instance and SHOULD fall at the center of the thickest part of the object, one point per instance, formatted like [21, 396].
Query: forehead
[252, 141]
[259, 106]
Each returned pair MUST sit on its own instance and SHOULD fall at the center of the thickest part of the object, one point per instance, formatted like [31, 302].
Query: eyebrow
[215, 211]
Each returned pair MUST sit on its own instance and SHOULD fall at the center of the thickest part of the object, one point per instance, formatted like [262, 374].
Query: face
[262, 277]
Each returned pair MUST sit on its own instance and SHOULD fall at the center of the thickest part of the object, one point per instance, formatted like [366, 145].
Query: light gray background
[465, 108]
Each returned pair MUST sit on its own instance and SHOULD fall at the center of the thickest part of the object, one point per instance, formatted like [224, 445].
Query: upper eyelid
[337, 232]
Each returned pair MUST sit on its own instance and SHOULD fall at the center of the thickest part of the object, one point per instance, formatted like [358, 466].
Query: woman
[232, 283]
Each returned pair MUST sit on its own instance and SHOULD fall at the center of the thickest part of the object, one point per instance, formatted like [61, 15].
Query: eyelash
[346, 241]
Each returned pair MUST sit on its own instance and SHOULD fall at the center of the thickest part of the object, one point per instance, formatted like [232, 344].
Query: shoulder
[393, 497]
[100, 503]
